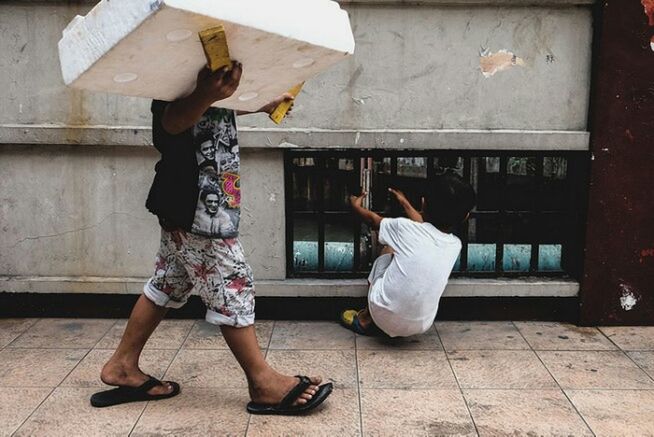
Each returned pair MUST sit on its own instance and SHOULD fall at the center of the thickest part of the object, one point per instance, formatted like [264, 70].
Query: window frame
[572, 245]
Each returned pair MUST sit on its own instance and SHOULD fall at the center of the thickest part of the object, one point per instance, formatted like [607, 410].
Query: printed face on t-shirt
[208, 150]
[211, 203]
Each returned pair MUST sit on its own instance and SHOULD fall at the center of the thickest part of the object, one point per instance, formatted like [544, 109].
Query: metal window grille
[528, 220]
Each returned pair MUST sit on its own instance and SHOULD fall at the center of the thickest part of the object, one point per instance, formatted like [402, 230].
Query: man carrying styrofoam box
[196, 190]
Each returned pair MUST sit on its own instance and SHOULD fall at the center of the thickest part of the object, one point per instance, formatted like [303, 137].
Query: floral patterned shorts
[214, 267]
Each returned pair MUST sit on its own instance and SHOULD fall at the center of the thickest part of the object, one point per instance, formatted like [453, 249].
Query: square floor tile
[405, 369]
[64, 333]
[631, 338]
[524, 413]
[387, 412]
[428, 341]
[16, 404]
[170, 334]
[620, 413]
[204, 335]
[500, 369]
[336, 366]
[196, 412]
[206, 369]
[337, 416]
[594, 369]
[68, 412]
[563, 336]
[10, 329]
[87, 372]
[645, 360]
[37, 367]
[311, 335]
[480, 335]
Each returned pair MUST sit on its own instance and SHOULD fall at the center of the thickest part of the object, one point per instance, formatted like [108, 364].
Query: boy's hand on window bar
[357, 201]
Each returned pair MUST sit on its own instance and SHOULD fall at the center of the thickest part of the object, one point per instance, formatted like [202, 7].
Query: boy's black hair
[448, 201]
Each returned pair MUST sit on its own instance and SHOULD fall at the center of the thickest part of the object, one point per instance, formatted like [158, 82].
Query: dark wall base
[287, 308]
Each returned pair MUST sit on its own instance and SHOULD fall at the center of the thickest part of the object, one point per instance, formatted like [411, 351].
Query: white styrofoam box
[151, 48]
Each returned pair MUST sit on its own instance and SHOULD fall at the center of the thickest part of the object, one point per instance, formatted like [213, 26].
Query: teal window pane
[339, 256]
[517, 257]
[305, 255]
[481, 257]
[305, 244]
[339, 244]
[549, 257]
[457, 264]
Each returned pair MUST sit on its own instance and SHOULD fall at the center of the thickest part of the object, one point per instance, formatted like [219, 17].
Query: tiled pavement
[461, 378]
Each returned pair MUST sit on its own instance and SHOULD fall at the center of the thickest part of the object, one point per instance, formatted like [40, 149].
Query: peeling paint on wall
[628, 298]
[491, 63]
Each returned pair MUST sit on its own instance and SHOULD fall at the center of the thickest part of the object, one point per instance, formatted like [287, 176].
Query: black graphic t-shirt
[197, 186]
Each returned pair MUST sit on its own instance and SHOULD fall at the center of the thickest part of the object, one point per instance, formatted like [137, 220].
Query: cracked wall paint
[491, 63]
[628, 297]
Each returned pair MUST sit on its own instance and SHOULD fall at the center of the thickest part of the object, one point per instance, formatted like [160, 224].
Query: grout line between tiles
[62, 379]
[164, 374]
[356, 364]
[651, 377]
[556, 381]
[465, 400]
[37, 320]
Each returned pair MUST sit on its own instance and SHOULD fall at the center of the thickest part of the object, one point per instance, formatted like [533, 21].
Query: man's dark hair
[202, 137]
[449, 201]
[205, 193]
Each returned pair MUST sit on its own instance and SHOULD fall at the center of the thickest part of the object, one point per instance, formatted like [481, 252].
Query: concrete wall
[75, 167]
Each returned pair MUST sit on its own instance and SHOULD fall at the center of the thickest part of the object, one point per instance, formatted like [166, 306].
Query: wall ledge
[314, 138]
[458, 287]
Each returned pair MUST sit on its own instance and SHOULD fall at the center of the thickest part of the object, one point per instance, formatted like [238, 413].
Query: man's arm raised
[184, 113]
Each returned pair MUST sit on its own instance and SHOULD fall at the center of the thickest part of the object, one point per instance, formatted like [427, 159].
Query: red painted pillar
[618, 282]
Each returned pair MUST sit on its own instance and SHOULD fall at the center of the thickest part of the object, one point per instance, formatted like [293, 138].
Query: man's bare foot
[117, 374]
[271, 388]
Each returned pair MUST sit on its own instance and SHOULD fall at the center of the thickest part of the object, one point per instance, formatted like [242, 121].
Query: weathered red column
[618, 282]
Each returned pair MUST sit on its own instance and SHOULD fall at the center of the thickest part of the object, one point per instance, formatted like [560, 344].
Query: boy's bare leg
[123, 367]
[266, 385]
[365, 319]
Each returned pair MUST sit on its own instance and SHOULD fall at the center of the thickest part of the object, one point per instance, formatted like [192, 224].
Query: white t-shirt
[404, 300]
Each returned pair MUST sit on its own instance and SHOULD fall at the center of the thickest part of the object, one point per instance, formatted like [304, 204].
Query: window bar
[499, 244]
[463, 264]
[533, 265]
[356, 224]
[289, 171]
[322, 171]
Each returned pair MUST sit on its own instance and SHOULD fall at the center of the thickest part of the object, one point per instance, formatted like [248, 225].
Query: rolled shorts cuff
[160, 298]
[237, 321]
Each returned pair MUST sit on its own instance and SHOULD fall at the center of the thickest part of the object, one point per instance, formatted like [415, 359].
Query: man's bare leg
[123, 367]
[266, 385]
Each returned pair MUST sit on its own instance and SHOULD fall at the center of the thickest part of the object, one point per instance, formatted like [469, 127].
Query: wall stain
[491, 63]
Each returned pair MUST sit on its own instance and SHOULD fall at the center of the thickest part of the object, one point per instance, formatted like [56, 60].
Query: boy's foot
[119, 375]
[271, 388]
[358, 321]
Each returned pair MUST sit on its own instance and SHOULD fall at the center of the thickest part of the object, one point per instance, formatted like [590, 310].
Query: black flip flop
[123, 394]
[286, 407]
